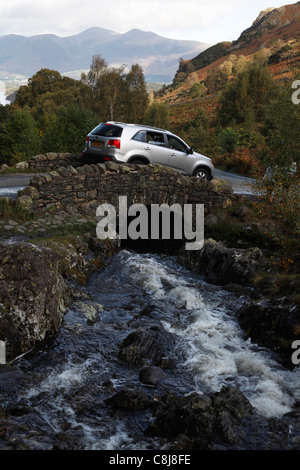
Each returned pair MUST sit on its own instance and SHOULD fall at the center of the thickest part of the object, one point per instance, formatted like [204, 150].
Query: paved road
[11, 184]
[240, 184]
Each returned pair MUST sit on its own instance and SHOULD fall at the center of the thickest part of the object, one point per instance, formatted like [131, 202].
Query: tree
[113, 94]
[19, 136]
[197, 90]
[138, 99]
[67, 128]
[279, 195]
[281, 130]
[228, 139]
[198, 132]
[157, 115]
[97, 68]
[43, 81]
[94, 79]
[116, 95]
[47, 89]
[247, 96]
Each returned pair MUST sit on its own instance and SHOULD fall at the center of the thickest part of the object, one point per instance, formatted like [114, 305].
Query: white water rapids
[216, 350]
[65, 391]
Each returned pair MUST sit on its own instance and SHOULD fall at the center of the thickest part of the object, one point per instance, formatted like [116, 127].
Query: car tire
[138, 162]
[201, 173]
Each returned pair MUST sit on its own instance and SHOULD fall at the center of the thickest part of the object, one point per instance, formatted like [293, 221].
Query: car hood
[200, 156]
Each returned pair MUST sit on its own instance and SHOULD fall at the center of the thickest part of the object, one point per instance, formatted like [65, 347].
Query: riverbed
[59, 392]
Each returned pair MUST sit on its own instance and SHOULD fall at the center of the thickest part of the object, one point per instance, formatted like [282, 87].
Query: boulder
[148, 346]
[204, 420]
[222, 265]
[151, 375]
[4, 167]
[130, 399]
[25, 203]
[21, 165]
[220, 186]
[274, 323]
[32, 296]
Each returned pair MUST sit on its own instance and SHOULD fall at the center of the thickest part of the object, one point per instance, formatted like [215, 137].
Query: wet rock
[210, 221]
[103, 249]
[242, 213]
[92, 311]
[222, 265]
[274, 323]
[32, 296]
[203, 420]
[130, 399]
[151, 375]
[148, 346]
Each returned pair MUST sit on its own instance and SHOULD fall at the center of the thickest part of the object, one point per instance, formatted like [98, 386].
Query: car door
[157, 148]
[179, 156]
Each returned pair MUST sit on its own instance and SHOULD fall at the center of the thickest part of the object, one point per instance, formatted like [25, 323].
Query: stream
[59, 392]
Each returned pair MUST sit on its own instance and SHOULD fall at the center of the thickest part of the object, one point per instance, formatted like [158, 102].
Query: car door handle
[173, 154]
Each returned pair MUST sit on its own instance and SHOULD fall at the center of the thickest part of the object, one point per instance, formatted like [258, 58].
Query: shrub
[279, 201]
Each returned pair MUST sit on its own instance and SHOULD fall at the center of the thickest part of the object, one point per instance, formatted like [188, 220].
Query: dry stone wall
[52, 161]
[83, 188]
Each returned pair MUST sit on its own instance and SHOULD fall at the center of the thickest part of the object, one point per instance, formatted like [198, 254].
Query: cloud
[203, 20]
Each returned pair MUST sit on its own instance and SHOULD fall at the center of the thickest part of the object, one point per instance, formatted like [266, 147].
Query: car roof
[138, 126]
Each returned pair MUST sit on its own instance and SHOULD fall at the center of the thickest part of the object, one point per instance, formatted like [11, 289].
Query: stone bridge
[69, 187]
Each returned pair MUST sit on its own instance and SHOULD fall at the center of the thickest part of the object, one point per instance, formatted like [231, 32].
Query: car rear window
[107, 130]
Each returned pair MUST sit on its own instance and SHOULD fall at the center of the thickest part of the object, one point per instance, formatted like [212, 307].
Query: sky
[208, 21]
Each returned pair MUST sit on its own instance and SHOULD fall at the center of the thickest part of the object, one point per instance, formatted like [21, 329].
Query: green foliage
[198, 90]
[279, 202]
[157, 115]
[228, 139]
[48, 89]
[281, 130]
[19, 136]
[197, 133]
[54, 113]
[116, 95]
[9, 210]
[246, 97]
[137, 101]
[66, 130]
[210, 55]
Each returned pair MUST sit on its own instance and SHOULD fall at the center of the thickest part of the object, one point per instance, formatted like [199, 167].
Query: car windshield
[107, 130]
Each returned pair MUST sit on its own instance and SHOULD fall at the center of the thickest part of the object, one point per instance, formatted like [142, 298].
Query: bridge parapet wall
[84, 188]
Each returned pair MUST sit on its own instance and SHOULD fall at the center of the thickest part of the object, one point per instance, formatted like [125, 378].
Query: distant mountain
[21, 55]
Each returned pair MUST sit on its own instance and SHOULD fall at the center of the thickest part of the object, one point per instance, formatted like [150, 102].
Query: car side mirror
[190, 151]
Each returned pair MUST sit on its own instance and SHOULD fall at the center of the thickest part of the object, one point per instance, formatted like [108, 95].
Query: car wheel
[201, 173]
[138, 162]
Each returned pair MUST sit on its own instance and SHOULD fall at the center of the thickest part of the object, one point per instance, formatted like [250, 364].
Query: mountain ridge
[158, 55]
[275, 33]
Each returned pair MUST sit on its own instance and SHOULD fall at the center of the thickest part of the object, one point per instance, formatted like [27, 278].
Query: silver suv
[134, 143]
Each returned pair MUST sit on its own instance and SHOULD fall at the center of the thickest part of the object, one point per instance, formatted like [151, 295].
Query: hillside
[20, 55]
[275, 34]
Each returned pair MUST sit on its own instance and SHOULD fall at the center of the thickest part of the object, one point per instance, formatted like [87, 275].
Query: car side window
[176, 144]
[155, 138]
[140, 136]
